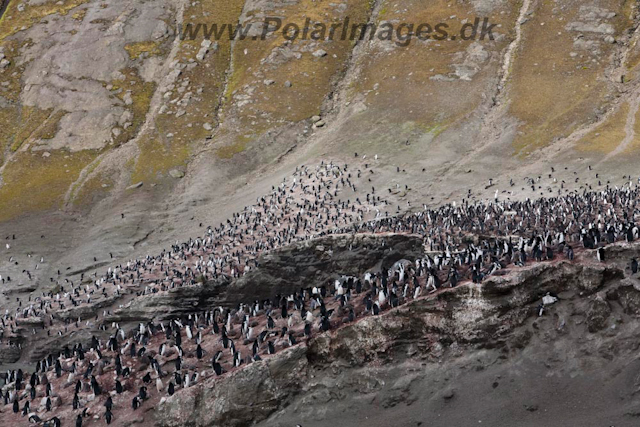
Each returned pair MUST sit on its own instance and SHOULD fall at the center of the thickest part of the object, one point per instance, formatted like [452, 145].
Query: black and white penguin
[634, 266]
[53, 422]
[119, 388]
[376, 309]
[171, 389]
[95, 386]
[600, 254]
[135, 403]
[79, 420]
[325, 325]
[217, 368]
[142, 392]
[108, 416]
[570, 254]
[199, 352]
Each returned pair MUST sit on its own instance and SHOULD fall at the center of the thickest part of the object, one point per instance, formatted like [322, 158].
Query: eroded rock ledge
[501, 314]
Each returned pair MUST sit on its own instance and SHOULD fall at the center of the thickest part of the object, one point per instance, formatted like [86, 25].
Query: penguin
[324, 324]
[79, 420]
[170, 389]
[570, 253]
[135, 403]
[308, 317]
[217, 368]
[95, 386]
[634, 266]
[16, 407]
[307, 330]
[108, 404]
[600, 254]
[108, 416]
[199, 352]
[119, 388]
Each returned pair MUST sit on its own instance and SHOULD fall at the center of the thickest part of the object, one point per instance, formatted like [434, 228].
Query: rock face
[171, 304]
[314, 262]
[598, 314]
[85, 312]
[248, 396]
[285, 270]
[9, 354]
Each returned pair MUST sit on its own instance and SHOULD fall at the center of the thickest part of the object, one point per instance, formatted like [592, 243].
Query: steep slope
[469, 355]
[118, 135]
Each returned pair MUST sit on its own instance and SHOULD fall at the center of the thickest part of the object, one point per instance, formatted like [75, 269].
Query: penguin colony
[109, 380]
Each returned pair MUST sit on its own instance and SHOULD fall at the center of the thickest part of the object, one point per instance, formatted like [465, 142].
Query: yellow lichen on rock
[15, 20]
[37, 181]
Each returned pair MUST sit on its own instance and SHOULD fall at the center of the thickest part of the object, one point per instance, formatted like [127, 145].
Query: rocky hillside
[119, 136]
[105, 109]
[476, 353]
[430, 362]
